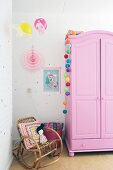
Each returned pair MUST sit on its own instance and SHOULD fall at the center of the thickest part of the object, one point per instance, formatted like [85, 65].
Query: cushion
[54, 125]
[29, 129]
[59, 127]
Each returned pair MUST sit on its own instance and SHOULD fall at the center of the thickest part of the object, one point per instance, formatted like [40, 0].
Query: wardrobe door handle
[102, 98]
[97, 98]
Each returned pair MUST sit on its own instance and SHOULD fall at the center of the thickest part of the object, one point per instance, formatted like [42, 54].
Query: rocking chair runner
[52, 148]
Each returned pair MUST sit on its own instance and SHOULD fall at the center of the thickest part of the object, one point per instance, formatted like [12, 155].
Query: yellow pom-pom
[67, 79]
[73, 33]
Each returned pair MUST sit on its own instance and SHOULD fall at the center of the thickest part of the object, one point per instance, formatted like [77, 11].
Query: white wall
[5, 85]
[45, 105]
[60, 15]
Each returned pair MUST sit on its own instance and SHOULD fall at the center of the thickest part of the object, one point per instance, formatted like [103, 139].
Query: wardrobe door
[86, 88]
[107, 86]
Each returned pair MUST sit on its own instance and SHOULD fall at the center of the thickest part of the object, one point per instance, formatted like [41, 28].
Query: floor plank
[81, 161]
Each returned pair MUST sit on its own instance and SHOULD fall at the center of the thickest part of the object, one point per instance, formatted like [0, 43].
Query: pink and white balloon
[33, 60]
[40, 24]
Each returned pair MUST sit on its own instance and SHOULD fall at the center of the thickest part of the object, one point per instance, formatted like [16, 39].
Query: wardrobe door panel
[86, 88]
[107, 119]
[86, 119]
[86, 68]
[107, 86]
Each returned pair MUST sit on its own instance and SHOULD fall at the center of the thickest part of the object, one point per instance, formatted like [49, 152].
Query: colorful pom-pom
[67, 79]
[67, 35]
[65, 111]
[65, 75]
[67, 41]
[66, 56]
[66, 88]
[65, 103]
[68, 60]
[67, 65]
[73, 33]
[68, 45]
[67, 93]
[68, 70]
[68, 51]
[67, 84]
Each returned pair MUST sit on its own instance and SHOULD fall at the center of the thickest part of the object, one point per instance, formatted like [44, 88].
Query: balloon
[66, 88]
[65, 103]
[67, 84]
[40, 24]
[68, 51]
[68, 60]
[65, 75]
[68, 45]
[67, 93]
[66, 56]
[26, 28]
[65, 111]
[67, 79]
[67, 65]
[68, 70]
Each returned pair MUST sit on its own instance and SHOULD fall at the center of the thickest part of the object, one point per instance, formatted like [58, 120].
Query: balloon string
[32, 41]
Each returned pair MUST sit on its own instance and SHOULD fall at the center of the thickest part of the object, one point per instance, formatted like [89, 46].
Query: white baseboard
[15, 142]
[9, 164]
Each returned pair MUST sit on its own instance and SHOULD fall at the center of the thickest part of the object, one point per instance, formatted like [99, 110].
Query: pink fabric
[51, 135]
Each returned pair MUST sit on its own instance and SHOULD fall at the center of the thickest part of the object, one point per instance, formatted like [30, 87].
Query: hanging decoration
[71, 32]
[67, 79]
[33, 60]
[65, 103]
[26, 28]
[68, 70]
[40, 24]
[64, 111]
[67, 57]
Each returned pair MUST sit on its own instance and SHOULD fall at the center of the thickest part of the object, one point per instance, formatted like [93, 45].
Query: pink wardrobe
[89, 120]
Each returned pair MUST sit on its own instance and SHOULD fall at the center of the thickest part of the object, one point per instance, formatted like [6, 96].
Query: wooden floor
[81, 161]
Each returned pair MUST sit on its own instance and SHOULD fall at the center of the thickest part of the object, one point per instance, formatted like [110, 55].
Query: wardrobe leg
[71, 154]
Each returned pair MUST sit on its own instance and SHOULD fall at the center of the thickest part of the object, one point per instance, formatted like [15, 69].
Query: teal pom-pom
[67, 65]
[68, 46]
[65, 111]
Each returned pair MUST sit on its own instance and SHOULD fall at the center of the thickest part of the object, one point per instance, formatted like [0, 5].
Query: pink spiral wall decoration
[33, 60]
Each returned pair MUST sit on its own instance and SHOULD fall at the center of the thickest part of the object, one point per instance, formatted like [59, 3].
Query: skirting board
[10, 162]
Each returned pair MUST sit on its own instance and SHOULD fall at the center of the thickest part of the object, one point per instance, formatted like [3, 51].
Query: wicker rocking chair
[33, 158]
